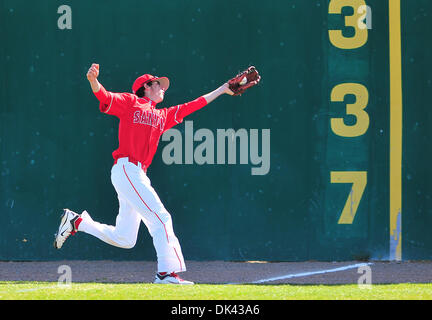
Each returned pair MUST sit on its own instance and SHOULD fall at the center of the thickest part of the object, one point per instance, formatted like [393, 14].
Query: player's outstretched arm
[218, 92]
[92, 75]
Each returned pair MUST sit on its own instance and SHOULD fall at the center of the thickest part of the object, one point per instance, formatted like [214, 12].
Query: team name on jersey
[149, 118]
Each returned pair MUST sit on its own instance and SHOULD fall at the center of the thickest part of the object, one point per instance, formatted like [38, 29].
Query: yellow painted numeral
[359, 181]
[357, 109]
[361, 34]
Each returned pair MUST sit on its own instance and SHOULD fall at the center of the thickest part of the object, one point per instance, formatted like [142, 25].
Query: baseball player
[140, 128]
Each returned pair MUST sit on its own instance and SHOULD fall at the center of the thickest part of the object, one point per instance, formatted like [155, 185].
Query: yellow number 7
[359, 181]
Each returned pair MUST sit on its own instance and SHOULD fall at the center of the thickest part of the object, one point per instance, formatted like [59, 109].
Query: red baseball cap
[139, 82]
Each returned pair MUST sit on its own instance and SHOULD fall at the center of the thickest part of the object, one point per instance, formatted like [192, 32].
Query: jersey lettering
[149, 118]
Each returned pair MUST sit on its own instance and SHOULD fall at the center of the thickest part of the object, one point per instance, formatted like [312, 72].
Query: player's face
[156, 93]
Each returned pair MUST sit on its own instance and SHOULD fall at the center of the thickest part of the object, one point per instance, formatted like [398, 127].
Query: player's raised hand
[92, 75]
[93, 72]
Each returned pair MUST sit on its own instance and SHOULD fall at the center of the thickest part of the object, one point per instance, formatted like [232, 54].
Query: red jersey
[141, 124]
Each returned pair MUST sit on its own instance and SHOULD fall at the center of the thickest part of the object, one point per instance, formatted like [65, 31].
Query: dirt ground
[223, 272]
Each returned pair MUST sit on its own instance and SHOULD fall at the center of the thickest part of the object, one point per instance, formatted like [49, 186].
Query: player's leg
[136, 187]
[160, 227]
[125, 232]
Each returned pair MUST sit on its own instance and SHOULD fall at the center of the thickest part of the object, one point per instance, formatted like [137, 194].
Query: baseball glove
[244, 80]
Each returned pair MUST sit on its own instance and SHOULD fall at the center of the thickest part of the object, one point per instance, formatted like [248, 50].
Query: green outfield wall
[305, 166]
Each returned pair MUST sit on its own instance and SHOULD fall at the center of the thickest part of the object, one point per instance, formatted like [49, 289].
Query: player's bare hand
[93, 72]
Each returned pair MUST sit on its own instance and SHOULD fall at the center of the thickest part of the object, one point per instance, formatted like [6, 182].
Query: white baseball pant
[138, 202]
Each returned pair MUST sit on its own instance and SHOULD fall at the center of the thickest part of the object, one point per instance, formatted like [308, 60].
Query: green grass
[143, 291]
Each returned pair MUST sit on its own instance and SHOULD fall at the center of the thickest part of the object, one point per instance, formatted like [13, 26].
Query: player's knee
[165, 217]
[127, 243]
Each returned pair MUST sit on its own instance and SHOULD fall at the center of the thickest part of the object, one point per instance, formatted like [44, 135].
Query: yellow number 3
[361, 34]
[357, 109]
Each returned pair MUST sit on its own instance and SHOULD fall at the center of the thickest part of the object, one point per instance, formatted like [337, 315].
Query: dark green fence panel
[55, 147]
[416, 173]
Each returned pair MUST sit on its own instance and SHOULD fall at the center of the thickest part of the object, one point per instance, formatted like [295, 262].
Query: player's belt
[135, 162]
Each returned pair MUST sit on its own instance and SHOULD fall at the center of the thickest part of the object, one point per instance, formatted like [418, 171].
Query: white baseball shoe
[170, 278]
[68, 226]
